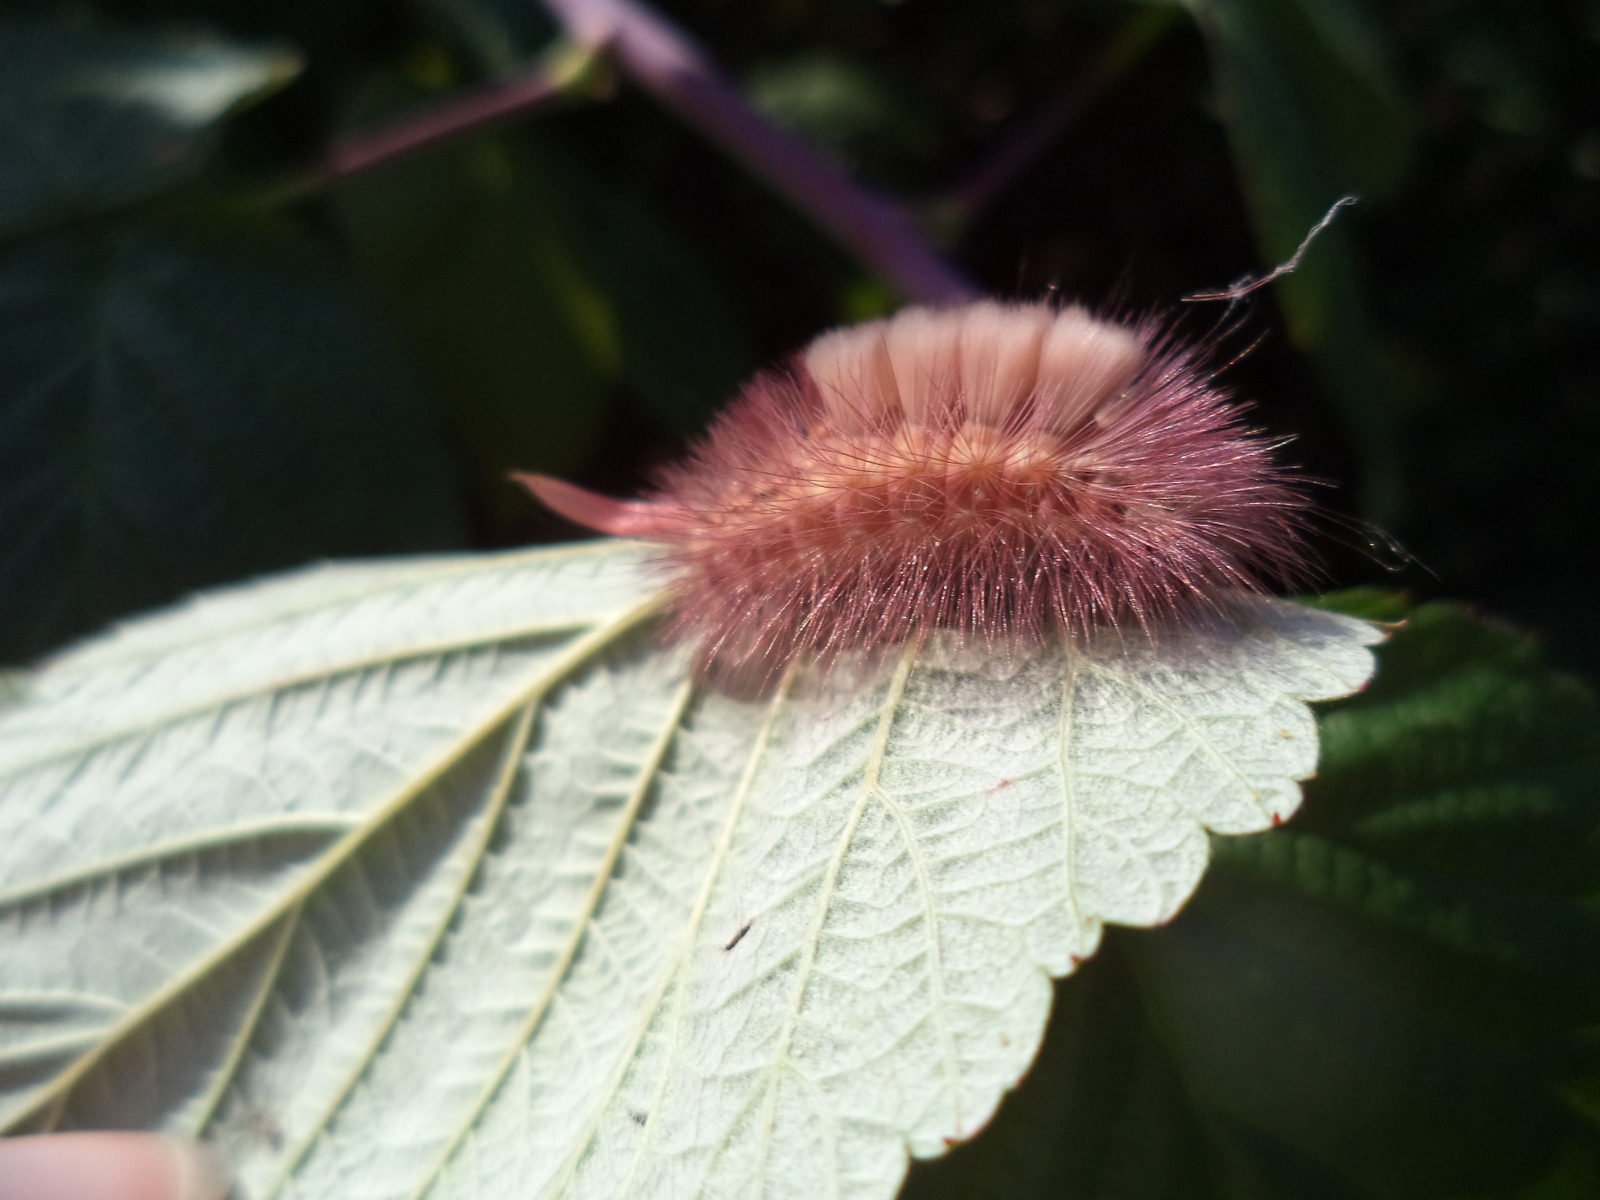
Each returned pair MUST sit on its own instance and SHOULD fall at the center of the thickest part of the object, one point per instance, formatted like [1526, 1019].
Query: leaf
[184, 405]
[94, 117]
[1392, 996]
[1312, 114]
[843, 103]
[528, 288]
[438, 877]
[501, 36]
[683, 351]
[472, 250]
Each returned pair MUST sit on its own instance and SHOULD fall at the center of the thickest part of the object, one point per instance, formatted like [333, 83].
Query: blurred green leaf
[182, 407]
[1313, 114]
[1369, 603]
[500, 35]
[94, 117]
[1480, 51]
[1391, 996]
[843, 103]
[1338, 59]
[527, 288]
[475, 249]
[683, 352]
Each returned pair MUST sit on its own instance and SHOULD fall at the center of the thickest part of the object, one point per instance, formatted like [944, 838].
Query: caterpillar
[1002, 470]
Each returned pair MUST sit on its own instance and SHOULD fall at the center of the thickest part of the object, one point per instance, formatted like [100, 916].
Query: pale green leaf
[440, 877]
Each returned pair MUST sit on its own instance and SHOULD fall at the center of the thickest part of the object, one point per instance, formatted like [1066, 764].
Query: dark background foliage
[574, 294]
[216, 361]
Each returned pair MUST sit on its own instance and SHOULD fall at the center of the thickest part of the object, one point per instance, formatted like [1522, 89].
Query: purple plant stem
[474, 108]
[664, 61]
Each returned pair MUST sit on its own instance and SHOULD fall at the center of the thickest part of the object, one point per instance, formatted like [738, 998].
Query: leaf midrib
[781, 1064]
[339, 854]
[209, 839]
[109, 653]
[671, 727]
[510, 764]
[284, 683]
[678, 962]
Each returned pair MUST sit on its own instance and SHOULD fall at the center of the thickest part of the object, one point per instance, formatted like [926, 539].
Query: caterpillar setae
[1000, 470]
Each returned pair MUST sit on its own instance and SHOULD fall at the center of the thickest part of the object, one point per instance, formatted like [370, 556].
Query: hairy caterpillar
[1001, 470]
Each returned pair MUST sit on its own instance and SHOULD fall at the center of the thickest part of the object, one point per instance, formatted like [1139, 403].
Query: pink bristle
[1004, 471]
[619, 518]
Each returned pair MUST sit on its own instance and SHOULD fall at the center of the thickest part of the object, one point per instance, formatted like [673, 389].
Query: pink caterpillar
[1002, 470]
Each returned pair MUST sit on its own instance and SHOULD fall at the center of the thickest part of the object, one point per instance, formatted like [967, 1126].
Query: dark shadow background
[1478, 268]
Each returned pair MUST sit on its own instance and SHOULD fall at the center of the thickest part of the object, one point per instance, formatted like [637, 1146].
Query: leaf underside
[1392, 995]
[440, 877]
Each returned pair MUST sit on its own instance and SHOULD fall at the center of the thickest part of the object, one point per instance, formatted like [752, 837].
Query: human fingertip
[109, 1165]
[199, 1172]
